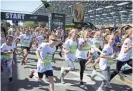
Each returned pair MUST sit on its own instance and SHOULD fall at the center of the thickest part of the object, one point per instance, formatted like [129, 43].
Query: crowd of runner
[84, 45]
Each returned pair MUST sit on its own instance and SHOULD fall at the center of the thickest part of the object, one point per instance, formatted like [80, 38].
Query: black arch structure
[23, 17]
[57, 21]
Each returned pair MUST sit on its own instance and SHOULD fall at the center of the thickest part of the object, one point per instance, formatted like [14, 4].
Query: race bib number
[97, 45]
[73, 49]
[26, 44]
[6, 56]
[48, 60]
[86, 47]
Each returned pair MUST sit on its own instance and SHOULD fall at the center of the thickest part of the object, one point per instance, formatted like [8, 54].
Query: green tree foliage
[31, 24]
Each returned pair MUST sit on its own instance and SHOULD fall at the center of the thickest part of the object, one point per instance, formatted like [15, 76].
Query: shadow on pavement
[117, 87]
[34, 59]
[32, 53]
[30, 64]
[28, 85]
[70, 90]
[30, 67]
[44, 89]
[57, 68]
[58, 59]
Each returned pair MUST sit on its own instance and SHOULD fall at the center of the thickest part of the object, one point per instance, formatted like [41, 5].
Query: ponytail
[105, 41]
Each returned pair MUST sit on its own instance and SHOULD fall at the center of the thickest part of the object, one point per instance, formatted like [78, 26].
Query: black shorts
[60, 45]
[100, 50]
[23, 47]
[47, 73]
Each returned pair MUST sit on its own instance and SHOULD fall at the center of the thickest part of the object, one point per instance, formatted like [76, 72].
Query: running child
[7, 56]
[124, 56]
[70, 48]
[39, 39]
[82, 51]
[106, 54]
[94, 52]
[25, 40]
[44, 53]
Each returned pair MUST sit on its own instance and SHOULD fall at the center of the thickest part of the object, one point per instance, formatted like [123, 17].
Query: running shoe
[62, 70]
[94, 73]
[32, 74]
[121, 76]
[62, 75]
[62, 80]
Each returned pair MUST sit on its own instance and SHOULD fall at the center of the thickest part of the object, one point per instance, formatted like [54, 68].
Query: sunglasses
[54, 40]
[10, 40]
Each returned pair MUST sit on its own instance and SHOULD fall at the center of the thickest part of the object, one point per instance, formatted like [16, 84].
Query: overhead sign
[58, 21]
[23, 17]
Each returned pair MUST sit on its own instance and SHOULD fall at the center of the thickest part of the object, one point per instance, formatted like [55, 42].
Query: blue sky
[20, 6]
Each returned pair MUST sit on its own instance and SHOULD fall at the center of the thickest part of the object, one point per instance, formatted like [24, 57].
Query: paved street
[22, 82]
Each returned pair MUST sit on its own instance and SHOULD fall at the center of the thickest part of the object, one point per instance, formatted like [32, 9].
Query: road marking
[100, 76]
[124, 82]
[66, 84]
[127, 82]
[86, 79]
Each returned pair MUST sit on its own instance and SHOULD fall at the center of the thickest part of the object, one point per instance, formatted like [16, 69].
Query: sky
[20, 6]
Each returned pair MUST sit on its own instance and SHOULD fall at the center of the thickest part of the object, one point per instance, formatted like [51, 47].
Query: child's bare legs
[51, 80]
[94, 72]
[25, 55]
[64, 72]
[95, 62]
[89, 59]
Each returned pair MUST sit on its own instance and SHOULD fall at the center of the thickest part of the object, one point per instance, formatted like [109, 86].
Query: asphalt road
[22, 82]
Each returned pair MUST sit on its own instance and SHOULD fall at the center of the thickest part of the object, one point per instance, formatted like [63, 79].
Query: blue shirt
[117, 39]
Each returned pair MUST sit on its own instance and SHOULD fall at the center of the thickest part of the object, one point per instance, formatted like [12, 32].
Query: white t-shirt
[25, 40]
[71, 46]
[83, 53]
[46, 53]
[14, 41]
[35, 34]
[5, 48]
[125, 56]
[91, 41]
[40, 39]
[107, 51]
[95, 44]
